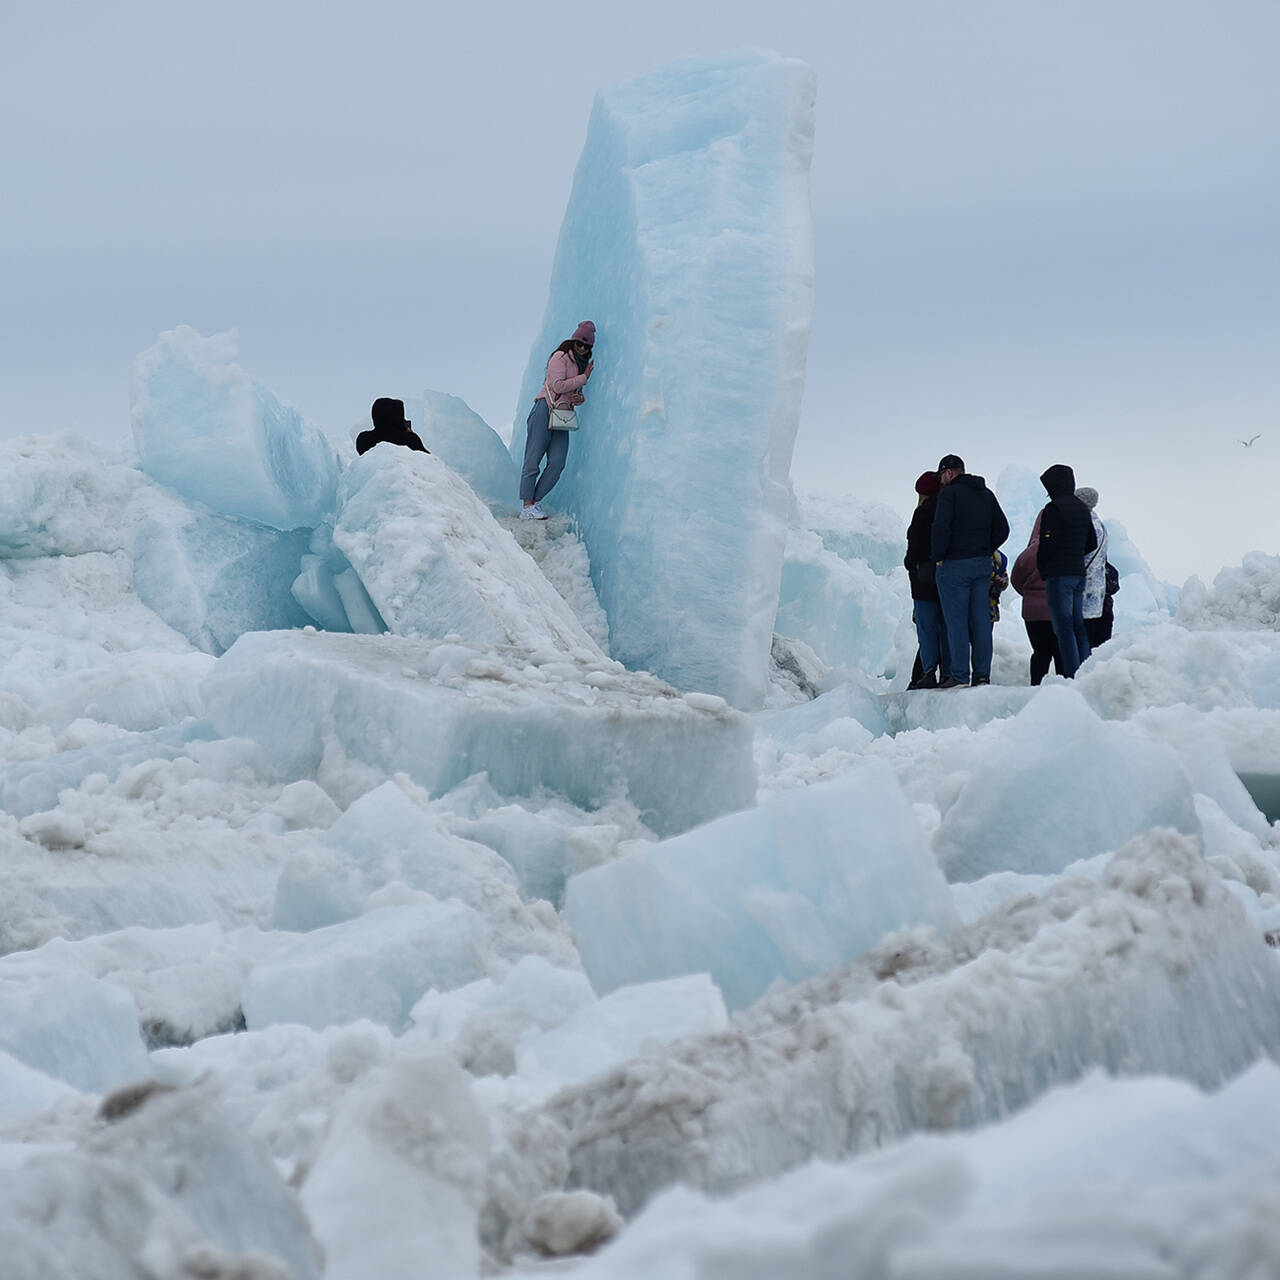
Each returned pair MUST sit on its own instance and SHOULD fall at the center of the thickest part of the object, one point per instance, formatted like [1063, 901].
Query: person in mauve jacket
[1028, 583]
[1066, 538]
[931, 635]
[967, 528]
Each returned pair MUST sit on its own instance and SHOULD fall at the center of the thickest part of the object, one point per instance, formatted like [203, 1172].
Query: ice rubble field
[370, 912]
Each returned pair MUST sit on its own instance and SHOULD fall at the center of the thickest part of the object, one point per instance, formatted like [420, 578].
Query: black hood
[388, 415]
[1059, 480]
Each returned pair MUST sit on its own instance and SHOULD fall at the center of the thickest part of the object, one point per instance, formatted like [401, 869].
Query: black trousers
[1044, 648]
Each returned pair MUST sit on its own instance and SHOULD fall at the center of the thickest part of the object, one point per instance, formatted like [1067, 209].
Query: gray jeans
[541, 442]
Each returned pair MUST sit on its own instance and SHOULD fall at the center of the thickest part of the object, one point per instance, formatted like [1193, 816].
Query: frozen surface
[782, 891]
[688, 241]
[452, 430]
[202, 426]
[436, 563]
[352, 709]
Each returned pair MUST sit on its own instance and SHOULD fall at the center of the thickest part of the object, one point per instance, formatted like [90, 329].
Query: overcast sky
[1046, 231]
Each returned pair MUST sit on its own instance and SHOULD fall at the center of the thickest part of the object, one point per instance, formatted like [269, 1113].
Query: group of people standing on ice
[958, 571]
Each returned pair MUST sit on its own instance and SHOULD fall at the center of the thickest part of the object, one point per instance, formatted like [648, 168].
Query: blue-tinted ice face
[688, 239]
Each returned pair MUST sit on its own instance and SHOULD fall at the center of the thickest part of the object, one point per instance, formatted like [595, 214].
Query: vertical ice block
[688, 240]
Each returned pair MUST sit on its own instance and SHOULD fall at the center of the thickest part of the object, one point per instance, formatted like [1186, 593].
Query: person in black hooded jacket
[390, 426]
[1066, 537]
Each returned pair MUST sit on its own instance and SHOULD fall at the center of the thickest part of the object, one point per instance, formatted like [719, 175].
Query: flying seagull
[1248, 444]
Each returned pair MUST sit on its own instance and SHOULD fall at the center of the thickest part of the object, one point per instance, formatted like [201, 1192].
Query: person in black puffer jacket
[1066, 538]
[931, 634]
[967, 528]
[390, 426]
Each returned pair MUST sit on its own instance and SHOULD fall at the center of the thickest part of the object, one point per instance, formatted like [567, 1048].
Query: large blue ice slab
[688, 240]
[202, 426]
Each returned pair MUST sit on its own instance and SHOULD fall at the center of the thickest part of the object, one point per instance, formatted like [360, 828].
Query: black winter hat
[951, 463]
[388, 413]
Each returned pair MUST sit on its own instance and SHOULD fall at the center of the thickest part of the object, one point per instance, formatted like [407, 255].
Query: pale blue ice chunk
[25, 1090]
[319, 703]
[362, 614]
[533, 987]
[189, 1146]
[1057, 785]
[314, 589]
[376, 966]
[793, 888]
[624, 1024]
[212, 578]
[847, 716]
[453, 431]
[202, 426]
[543, 852]
[688, 241]
[33, 785]
[849, 615]
[854, 530]
[386, 840]
[73, 1028]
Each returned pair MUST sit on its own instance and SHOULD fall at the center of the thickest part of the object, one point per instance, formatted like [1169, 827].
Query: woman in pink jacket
[567, 372]
[1028, 583]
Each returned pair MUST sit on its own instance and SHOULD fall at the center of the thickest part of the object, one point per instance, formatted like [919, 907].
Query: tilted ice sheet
[784, 891]
[688, 240]
[352, 711]
[437, 564]
[202, 426]
[1059, 784]
[849, 615]
[452, 430]
[1153, 969]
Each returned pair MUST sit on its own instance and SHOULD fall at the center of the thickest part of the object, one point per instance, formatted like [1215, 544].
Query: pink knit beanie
[585, 332]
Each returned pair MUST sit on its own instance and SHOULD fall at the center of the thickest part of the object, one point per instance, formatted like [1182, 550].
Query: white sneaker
[534, 512]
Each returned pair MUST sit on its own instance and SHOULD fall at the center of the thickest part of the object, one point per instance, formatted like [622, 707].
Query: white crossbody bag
[559, 419]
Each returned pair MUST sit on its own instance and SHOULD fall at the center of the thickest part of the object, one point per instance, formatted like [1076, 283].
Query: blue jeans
[541, 442]
[931, 635]
[1066, 611]
[964, 588]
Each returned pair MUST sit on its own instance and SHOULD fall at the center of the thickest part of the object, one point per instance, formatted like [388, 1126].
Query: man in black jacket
[1066, 537]
[389, 426]
[968, 527]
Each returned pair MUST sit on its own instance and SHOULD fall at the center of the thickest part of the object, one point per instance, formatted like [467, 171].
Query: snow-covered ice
[476, 934]
[350, 710]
